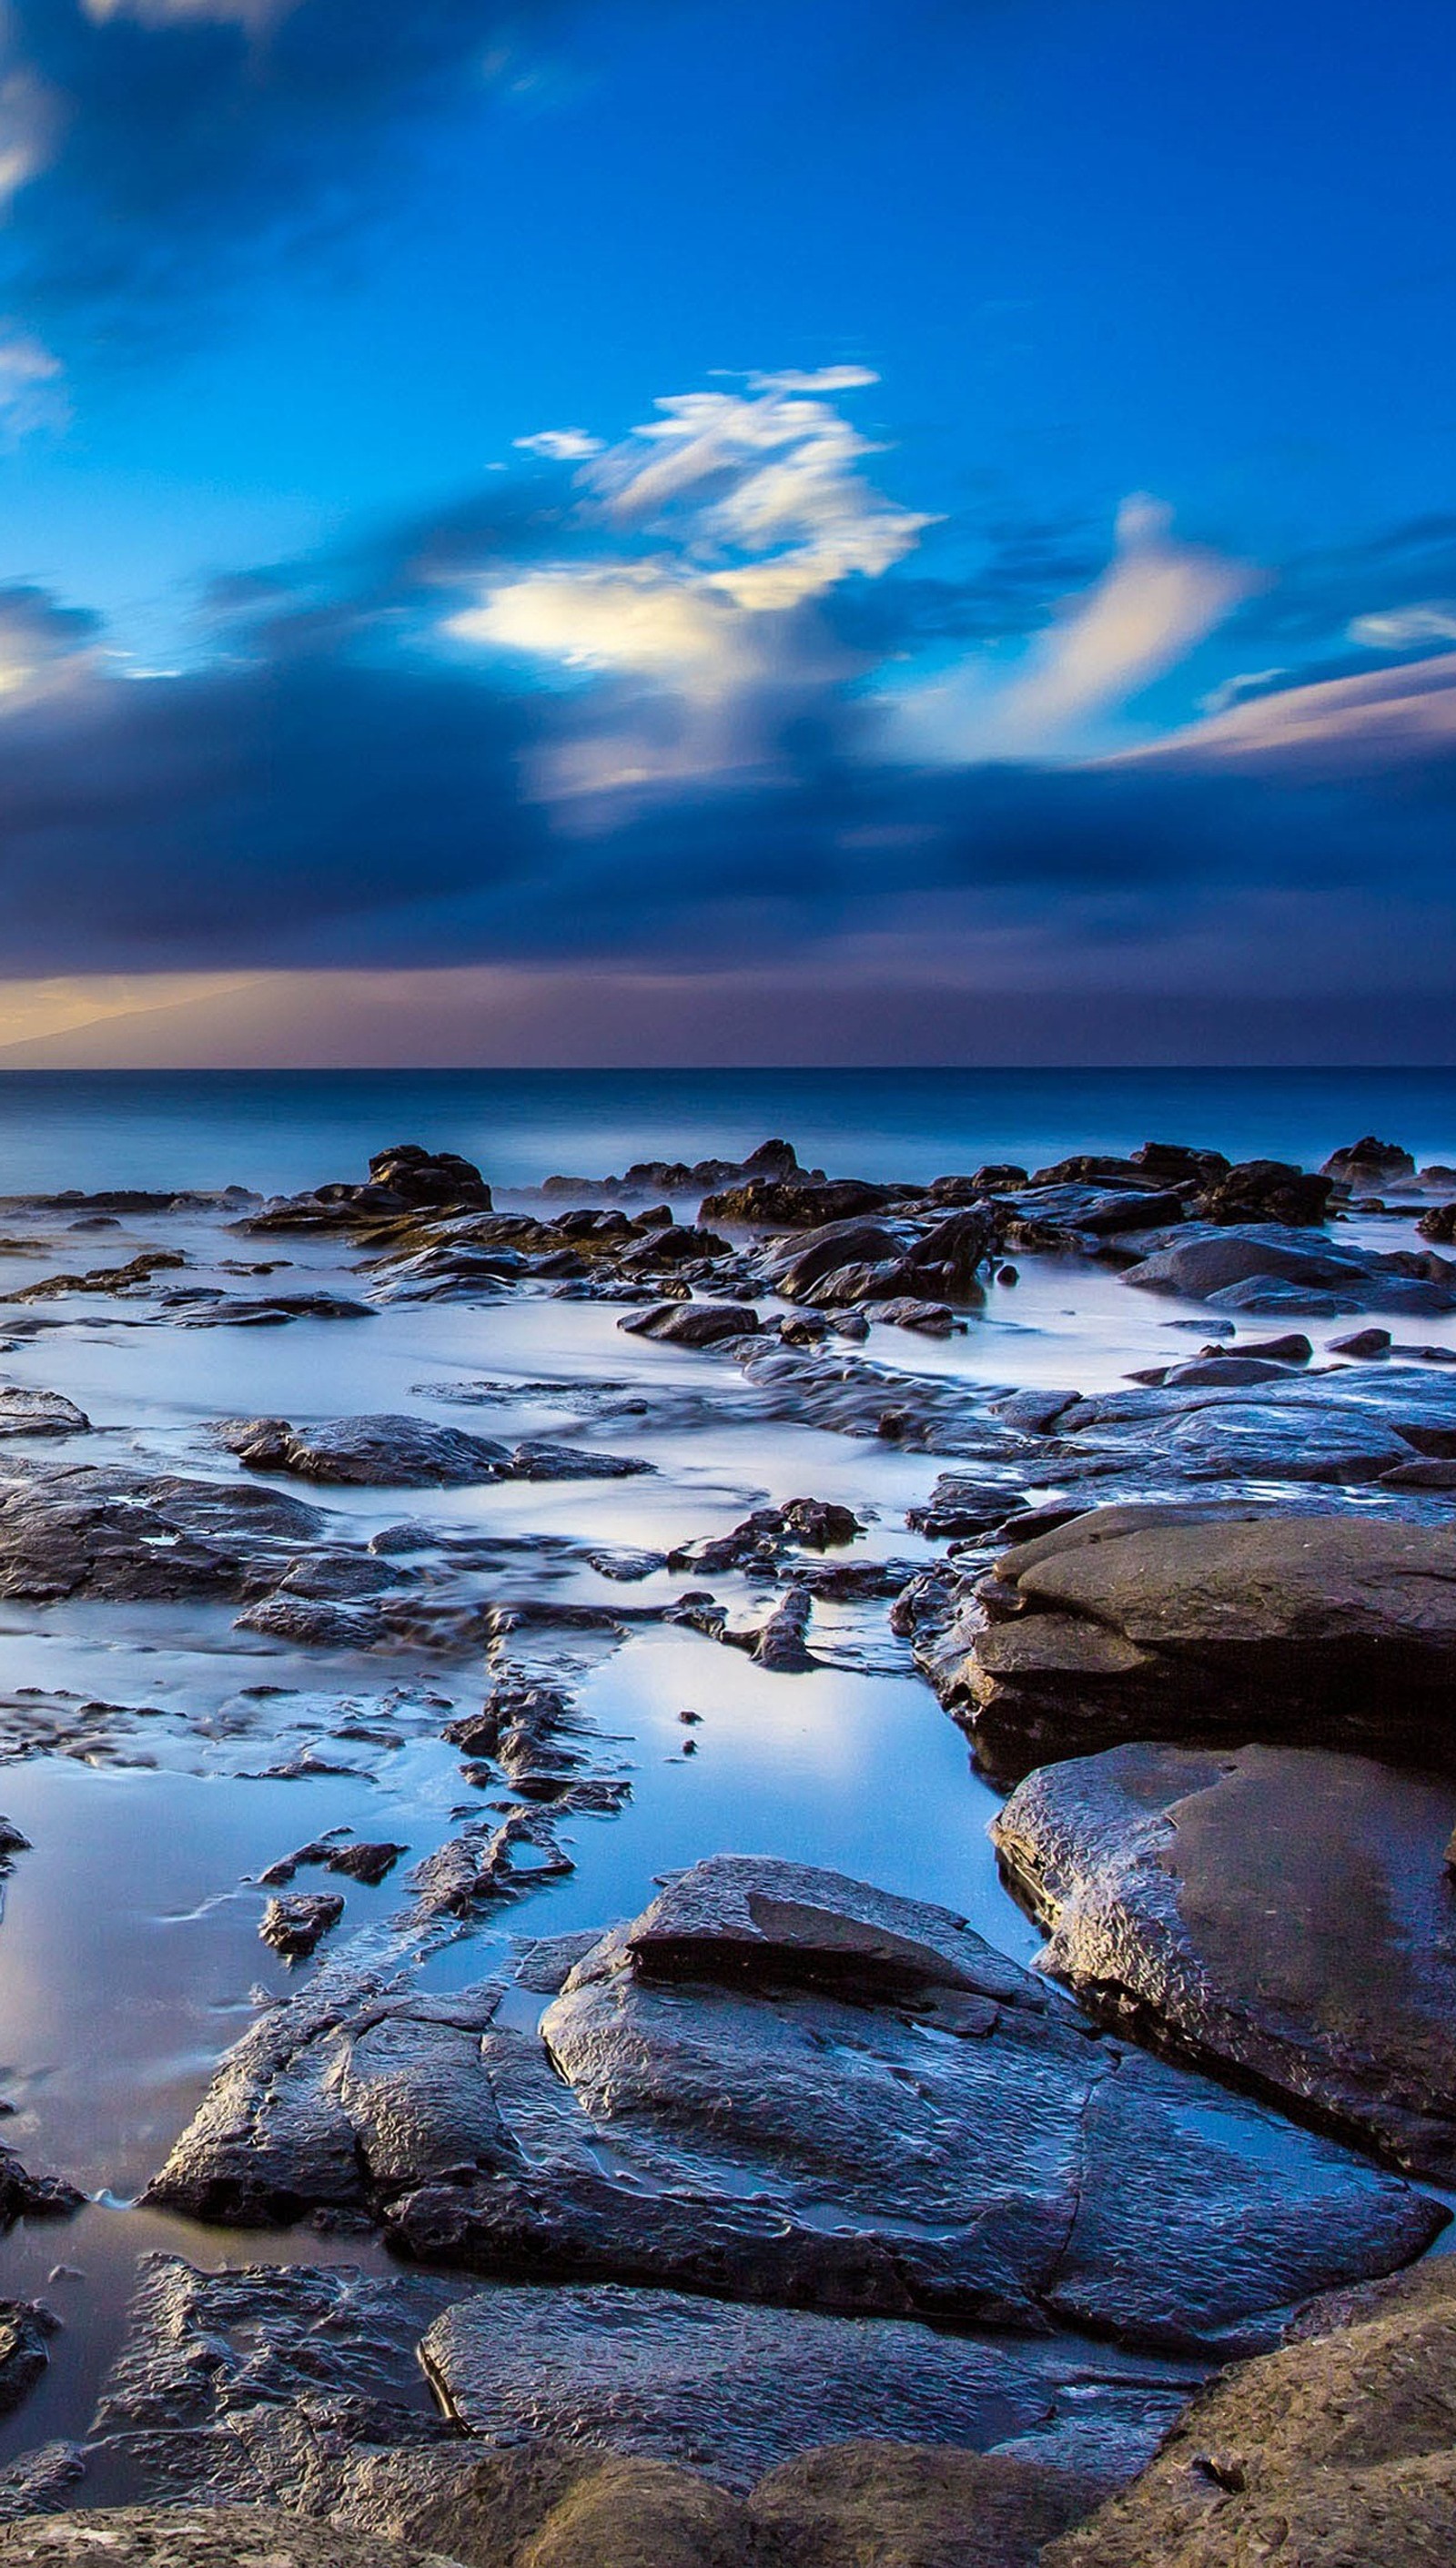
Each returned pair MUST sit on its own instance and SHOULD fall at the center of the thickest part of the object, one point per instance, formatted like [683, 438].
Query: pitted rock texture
[197, 2537]
[851, 2102]
[1282, 1913]
[1337, 2451]
[1208, 1623]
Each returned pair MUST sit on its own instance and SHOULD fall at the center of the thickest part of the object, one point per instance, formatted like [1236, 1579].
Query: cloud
[1391, 719]
[1407, 628]
[538, 733]
[150, 149]
[30, 386]
[560, 445]
[703, 541]
[44, 648]
[1156, 599]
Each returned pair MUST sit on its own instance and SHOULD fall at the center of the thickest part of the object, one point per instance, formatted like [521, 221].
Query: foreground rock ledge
[1279, 1912]
[780, 2084]
[243, 2536]
[1335, 2454]
[1209, 1623]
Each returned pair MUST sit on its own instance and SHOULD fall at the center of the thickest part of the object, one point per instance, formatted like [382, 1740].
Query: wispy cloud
[1401, 717]
[1156, 599]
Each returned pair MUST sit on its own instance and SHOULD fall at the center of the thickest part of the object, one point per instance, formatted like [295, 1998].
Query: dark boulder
[781, 2086]
[1369, 1165]
[294, 1926]
[1266, 1190]
[1280, 1914]
[795, 1204]
[1209, 1623]
[1439, 1224]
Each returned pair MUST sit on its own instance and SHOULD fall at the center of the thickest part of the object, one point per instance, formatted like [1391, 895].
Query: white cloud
[45, 649]
[1402, 628]
[828, 378]
[30, 384]
[743, 507]
[560, 445]
[1156, 599]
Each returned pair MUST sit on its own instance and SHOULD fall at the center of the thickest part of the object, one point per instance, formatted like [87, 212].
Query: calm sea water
[282, 1129]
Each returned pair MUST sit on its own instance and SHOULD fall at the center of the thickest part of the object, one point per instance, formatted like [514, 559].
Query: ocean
[282, 1129]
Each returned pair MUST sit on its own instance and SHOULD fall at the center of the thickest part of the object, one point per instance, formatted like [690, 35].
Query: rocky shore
[777, 2215]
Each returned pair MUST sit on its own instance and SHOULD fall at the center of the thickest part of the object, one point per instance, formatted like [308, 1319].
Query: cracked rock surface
[784, 2085]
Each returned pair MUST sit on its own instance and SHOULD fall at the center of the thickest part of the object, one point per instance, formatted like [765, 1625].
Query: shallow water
[129, 1945]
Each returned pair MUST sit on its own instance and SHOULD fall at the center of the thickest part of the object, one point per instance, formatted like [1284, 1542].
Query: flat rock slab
[408, 1454]
[736, 2389]
[853, 2103]
[1335, 2453]
[119, 1534]
[197, 2537]
[1218, 1622]
[1277, 1911]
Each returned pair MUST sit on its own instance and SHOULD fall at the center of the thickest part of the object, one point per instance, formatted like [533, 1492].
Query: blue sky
[1044, 583]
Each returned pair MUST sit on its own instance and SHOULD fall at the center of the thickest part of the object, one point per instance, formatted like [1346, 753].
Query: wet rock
[852, 2103]
[799, 1202]
[775, 1159]
[932, 1319]
[130, 1278]
[541, 1458]
[395, 1453]
[820, 1522]
[402, 1180]
[1267, 1191]
[854, 1397]
[1216, 1370]
[1209, 1623]
[40, 1412]
[676, 1246]
[1368, 1165]
[241, 2536]
[274, 1312]
[1362, 1345]
[1280, 1913]
[1210, 1260]
[1337, 2451]
[691, 1324]
[795, 1268]
[295, 1926]
[863, 2504]
[961, 1506]
[737, 2389]
[24, 2196]
[90, 1531]
[1263, 1297]
[369, 1864]
[24, 2327]
[781, 1643]
[1439, 1224]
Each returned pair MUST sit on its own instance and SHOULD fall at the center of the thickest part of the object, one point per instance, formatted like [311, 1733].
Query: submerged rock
[1280, 1913]
[1338, 2451]
[1218, 1622]
[789, 2086]
[25, 2328]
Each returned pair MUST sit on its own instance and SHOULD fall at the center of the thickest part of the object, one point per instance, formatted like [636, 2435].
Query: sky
[660, 530]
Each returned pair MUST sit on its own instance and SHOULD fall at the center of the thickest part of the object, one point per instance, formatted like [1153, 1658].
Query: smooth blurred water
[278, 1129]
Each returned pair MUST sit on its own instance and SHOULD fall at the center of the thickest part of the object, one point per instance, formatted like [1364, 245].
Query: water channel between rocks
[130, 1952]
